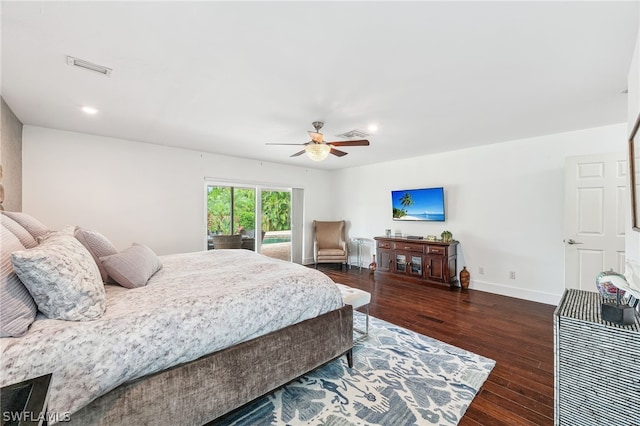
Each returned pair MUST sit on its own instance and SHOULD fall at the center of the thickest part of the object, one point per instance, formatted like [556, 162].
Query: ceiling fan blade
[361, 142]
[338, 152]
[298, 153]
[286, 143]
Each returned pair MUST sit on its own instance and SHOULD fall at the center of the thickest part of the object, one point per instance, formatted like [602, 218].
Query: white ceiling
[228, 77]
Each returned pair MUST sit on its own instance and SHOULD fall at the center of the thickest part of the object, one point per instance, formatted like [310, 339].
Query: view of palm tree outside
[232, 210]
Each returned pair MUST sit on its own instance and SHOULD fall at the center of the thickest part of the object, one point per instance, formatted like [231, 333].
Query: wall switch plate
[512, 275]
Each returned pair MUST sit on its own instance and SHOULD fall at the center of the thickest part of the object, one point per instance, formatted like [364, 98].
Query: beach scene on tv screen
[418, 204]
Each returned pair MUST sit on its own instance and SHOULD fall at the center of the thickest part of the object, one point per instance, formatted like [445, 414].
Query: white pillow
[62, 278]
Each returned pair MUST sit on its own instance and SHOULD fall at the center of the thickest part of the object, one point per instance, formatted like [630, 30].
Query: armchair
[329, 243]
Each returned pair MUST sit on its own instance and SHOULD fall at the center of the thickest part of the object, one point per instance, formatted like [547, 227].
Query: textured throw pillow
[132, 267]
[17, 308]
[66, 230]
[28, 222]
[98, 245]
[62, 278]
[16, 229]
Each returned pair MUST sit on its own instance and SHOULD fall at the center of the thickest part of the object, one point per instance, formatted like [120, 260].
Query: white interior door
[594, 220]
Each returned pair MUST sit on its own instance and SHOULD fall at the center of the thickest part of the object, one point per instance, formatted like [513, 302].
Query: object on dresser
[431, 238]
[414, 237]
[608, 284]
[446, 236]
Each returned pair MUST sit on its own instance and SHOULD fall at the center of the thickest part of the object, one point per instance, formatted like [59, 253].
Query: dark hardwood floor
[516, 333]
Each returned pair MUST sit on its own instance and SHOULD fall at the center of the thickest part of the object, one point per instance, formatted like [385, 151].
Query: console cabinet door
[416, 265]
[401, 262]
[385, 261]
[409, 263]
[437, 269]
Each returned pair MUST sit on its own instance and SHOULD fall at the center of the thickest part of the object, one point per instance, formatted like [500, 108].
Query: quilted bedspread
[196, 304]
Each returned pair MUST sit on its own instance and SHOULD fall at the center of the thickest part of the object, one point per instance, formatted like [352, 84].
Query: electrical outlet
[481, 270]
[512, 275]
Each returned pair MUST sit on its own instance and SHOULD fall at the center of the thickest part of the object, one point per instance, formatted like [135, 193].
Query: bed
[207, 333]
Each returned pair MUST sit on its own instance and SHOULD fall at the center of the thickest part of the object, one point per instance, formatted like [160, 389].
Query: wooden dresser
[597, 365]
[432, 261]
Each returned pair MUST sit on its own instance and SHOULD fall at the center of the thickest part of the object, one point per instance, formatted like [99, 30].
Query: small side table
[25, 403]
[597, 380]
[359, 242]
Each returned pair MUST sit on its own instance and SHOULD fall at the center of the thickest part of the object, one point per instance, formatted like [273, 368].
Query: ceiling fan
[317, 149]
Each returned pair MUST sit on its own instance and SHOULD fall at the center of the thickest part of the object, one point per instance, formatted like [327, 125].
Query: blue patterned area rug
[399, 378]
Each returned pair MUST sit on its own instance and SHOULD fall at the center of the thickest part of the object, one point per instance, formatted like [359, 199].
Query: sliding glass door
[276, 223]
[236, 209]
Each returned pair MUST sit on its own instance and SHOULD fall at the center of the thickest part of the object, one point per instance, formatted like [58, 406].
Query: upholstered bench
[357, 298]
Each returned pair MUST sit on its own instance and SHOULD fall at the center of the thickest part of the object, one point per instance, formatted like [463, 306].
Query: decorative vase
[465, 277]
[606, 284]
[446, 236]
[373, 265]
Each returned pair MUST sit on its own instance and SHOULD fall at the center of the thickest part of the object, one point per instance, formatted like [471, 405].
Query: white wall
[138, 192]
[504, 203]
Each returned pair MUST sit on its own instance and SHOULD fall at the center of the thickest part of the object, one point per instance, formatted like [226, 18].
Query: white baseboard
[519, 293]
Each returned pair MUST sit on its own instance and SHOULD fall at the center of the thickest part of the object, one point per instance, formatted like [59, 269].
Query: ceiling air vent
[354, 134]
[88, 66]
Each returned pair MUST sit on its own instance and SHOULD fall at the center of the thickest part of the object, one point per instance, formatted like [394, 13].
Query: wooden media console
[432, 261]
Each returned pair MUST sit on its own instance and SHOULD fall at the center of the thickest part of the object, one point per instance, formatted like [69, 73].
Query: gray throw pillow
[62, 278]
[133, 266]
[16, 229]
[28, 222]
[98, 245]
[17, 308]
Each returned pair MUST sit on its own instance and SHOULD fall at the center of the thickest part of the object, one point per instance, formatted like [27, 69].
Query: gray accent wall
[11, 158]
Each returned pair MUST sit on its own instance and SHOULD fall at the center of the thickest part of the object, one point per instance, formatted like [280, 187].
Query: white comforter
[196, 304]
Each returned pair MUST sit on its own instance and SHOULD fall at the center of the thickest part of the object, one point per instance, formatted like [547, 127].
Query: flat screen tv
[426, 204]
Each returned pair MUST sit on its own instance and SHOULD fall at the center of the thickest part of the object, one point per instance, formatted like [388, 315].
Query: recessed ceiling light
[373, 128]
[89, 110]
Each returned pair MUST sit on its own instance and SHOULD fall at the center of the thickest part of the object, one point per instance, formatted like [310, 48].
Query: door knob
[571, 241]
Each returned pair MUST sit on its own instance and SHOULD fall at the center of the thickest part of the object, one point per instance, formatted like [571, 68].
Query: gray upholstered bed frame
[202, 390]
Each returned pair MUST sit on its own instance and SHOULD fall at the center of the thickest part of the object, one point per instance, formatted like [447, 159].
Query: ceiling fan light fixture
[315, 136]
[317, 151]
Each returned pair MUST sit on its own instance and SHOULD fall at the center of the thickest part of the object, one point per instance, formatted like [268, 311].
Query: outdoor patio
[277, 250]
